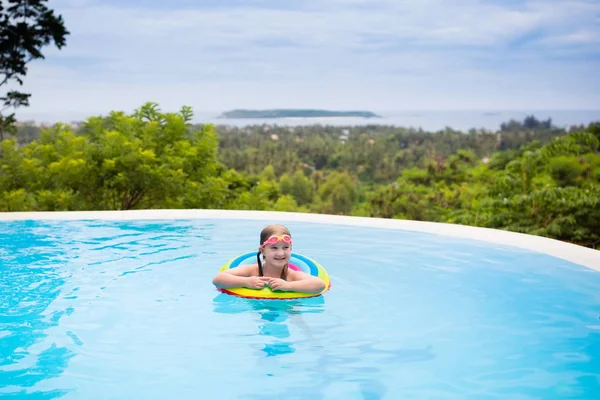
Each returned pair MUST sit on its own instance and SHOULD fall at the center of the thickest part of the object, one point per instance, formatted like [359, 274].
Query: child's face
[277, 254]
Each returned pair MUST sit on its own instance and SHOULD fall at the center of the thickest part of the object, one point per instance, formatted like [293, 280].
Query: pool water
[126, 309]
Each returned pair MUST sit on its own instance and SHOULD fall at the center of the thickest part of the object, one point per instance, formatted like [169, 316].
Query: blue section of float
[305, 264]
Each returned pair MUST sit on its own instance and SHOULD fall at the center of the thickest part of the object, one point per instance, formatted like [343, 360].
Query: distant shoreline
[294, 114]
[434, 120]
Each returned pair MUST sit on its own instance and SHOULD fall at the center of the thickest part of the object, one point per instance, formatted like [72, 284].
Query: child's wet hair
[267, 232]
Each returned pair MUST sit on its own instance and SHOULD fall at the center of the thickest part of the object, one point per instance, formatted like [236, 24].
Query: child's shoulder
[249, 267]
[295, 275]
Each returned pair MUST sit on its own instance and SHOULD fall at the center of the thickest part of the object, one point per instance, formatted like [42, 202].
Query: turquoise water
[126, 310]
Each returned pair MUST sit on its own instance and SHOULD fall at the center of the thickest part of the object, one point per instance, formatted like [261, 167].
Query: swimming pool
[100, 309]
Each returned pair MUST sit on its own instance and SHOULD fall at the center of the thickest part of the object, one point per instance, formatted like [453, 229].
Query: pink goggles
[274, 239]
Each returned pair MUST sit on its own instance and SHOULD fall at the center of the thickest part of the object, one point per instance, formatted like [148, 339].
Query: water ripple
[410, 315]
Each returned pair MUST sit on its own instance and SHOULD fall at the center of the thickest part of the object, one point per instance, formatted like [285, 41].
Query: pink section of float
[294, 267]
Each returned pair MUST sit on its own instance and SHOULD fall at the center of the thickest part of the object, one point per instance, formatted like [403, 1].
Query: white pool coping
[576, 254]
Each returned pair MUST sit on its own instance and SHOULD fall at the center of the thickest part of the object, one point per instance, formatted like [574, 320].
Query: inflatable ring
[297, 262]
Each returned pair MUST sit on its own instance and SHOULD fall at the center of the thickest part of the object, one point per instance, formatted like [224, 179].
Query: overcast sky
[337, 54]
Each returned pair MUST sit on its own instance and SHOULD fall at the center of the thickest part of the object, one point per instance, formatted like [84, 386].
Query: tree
[268, 173]
[25, 27]
[301, 188]
[149, 159]
[285, 184]
[286, 203]
[337, 194]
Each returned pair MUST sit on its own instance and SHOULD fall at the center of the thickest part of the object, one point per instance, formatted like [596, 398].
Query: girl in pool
[276, 249]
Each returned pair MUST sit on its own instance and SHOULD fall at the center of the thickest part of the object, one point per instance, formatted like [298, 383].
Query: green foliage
[286, 203]
[268, 173]
[545, 182]
[285, 184]
[566, 170]
[337, 195]
[301, 188]
[25, 27]
[145, 160]
[551, 191]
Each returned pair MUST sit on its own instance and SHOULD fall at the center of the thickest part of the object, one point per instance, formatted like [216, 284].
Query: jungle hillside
[528, 176]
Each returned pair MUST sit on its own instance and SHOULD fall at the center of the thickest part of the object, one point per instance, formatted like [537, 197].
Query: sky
[216, 55]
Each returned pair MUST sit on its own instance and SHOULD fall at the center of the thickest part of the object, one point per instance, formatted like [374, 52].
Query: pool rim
[576, 254]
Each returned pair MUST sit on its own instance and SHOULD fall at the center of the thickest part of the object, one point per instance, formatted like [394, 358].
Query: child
[276, 249]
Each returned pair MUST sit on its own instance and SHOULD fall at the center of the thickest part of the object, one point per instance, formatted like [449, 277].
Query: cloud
[322, 53]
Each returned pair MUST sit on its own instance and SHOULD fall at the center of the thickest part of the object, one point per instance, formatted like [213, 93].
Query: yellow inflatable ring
[297, 262]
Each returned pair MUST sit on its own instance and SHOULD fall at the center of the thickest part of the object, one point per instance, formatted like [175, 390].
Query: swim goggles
[274, 239]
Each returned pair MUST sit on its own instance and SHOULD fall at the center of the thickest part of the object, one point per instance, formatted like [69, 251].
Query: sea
[425, 120]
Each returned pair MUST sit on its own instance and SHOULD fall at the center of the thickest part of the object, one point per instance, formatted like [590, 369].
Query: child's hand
[279, 284]
[256, 282]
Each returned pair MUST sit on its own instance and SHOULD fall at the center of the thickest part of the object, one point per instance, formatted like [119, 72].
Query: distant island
[293, 113]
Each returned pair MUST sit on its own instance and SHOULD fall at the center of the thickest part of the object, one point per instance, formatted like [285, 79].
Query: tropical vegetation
[528, 177]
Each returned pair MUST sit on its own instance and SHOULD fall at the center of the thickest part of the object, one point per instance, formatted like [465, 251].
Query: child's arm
[308, 284]
[298, 282]
[239, 277]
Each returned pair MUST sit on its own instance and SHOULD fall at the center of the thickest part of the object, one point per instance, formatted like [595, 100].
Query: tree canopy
[26, 26]
[539, 180]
